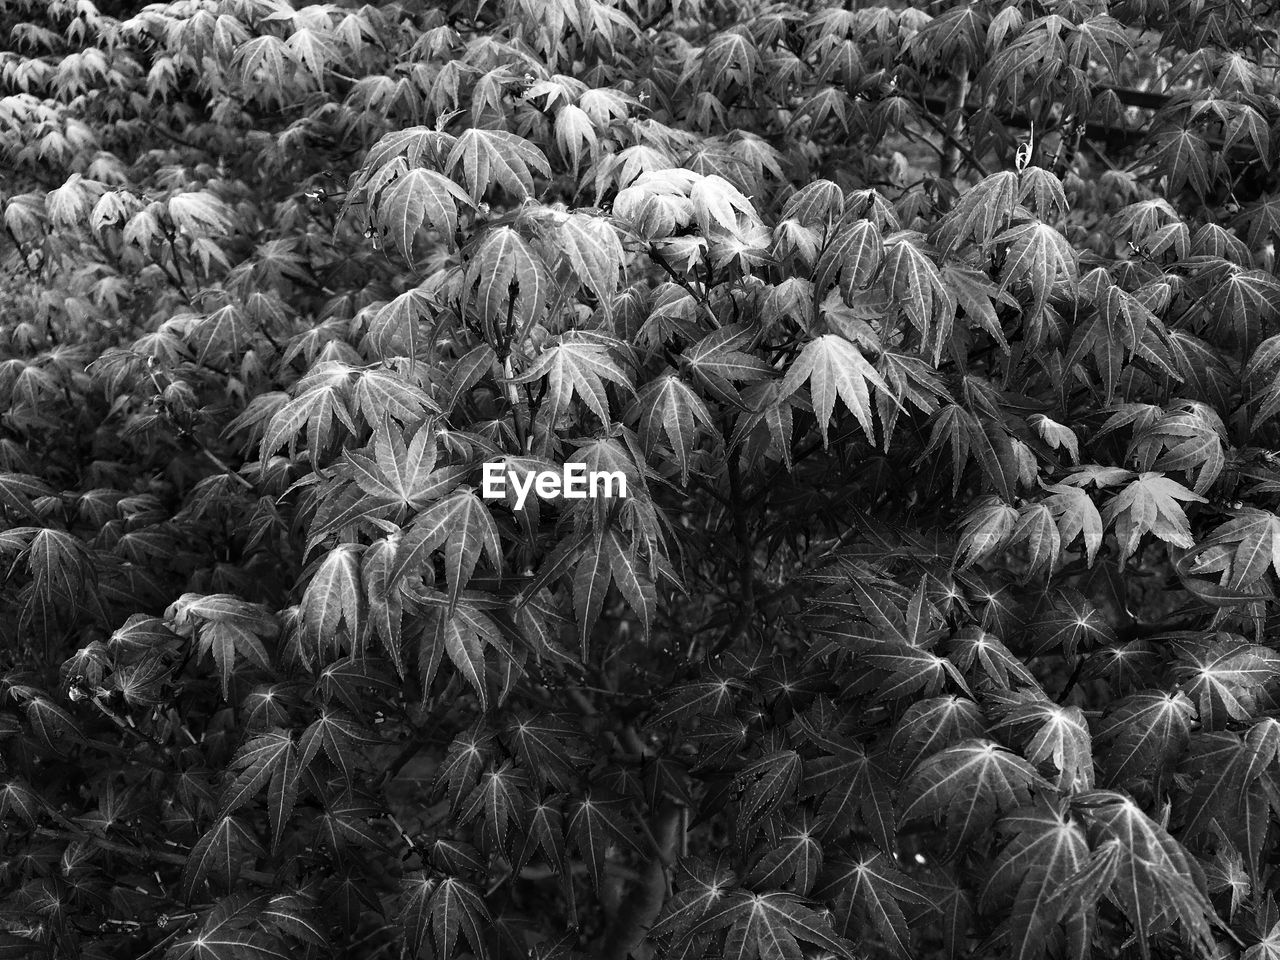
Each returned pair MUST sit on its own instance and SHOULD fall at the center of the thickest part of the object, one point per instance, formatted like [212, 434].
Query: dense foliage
[939, 346]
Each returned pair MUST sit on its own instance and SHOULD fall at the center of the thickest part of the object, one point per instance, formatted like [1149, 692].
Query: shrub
[937, 348]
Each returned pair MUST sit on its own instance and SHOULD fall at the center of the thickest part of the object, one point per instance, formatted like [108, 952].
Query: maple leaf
[1184, 158]
[594, 250]
[610, 561]
[835, 367]
[854, 787]
[980, 213]
[378, 394]
[817, 203]
[199, 214]
[968, 785]
[1227, 678]
[873, 885]
[1156, 880]
[854, 254]
[594, 825]
[1037, 256]
[768, 926]
[1061, 737]
[574, 131]
[667, 406]
[503, 265]
[767, 783]
[933, 724]
[576, 365]
[1192, 440]
[1252, 540]
[973, 648]
[986, 530]
[1142, 731]
[436, 910]
[791, 857]
[1032, 879]
[219, 855]
[718, 204]
[462, 632]
[915, 285]
[320, 400]
[488, 157]
[1150, 504]
[718, 362]
[269, 760]
[1076, 516]
[462, 524]
[420, 198]
[229, 930]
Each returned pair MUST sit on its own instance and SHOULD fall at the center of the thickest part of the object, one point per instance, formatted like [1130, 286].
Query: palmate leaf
[981, 212]
[461, 524]
[339, 737]
[256, 763]
[1150, 504]
[1191, 437]
[1184, 158]
[594, 250]
[717, 362]
[488, 157]
[1061, 738]
[219, 855]
[462, 632]
[576, 365]
[717, 205]
[321, 399]
[1076, 516]
[417, 199]
[790, 858]
[610, 560]
[872, 886]
[916, 287]
[974, 649]
[229, 931]
[1227, 678]
[1156, 880]
[767, 782]
[594, 825]
[854, 787]
[978, 297]
[399, 472]
[854, 255]
[269, 760]
[968, 785]
[436, 910]
[930, 725]
[1038, 256]
[667, 406]
[815, 204]
[769, 926]
[508, 275]
[1068, 621]
[1032, 880]
[1230, 775]
[381, 393]
[1253, 539]
[1144, 731]
[835, 367]
[333, 596]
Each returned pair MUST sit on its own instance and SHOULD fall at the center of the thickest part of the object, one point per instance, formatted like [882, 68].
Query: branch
[639, 911]
[145, 853]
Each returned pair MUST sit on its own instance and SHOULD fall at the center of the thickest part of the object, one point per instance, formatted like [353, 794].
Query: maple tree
[938, 346]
